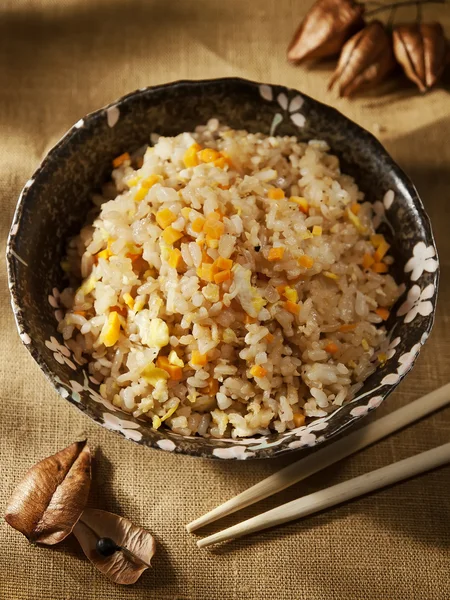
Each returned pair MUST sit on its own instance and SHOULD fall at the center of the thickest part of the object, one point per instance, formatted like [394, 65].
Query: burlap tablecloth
[60, 59]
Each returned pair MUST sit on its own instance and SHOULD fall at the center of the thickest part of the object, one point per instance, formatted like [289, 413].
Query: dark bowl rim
[12, 257]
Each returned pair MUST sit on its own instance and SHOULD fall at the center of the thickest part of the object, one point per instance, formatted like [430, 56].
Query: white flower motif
[388, 347]
[380, 215]
[359, 411]
[405, 363]
[422, 260]
[127, 428]
[388, 199]
[25, 337]
[238, 452]
[417, 303]
[296, 103]
[277, 119]
[306, 438]
[60, 353]
[283, 101]
[167, 445]
[266, 92]
[112, 115]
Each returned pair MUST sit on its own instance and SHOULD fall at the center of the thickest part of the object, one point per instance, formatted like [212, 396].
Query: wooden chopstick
[330, 454]
[404, 469]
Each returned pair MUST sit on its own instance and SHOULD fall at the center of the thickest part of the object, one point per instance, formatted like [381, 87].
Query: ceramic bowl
[53, 206]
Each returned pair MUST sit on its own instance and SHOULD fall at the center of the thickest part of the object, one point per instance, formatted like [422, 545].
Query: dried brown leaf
[137, 545]
[365, 60]
[49, 500]
[326, 27]
[421, 49]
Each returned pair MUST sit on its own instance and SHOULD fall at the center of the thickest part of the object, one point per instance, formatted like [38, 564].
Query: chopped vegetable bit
[197, 225]
[170, 412]
[140, 194]
[365, 344]
[119, 160]
[220, 162]
[133, 181]
[207, 272]
[174, 359]
[331, 348]
[330, 275]
[382, 357]
[165, 217]
[302, 203]
[383, 313]
[129, 300]
[185, 211]
[376, 239]
[174, 258]
[269, 338]
[380, 267]
[280, 288]
[292, 307]
[88, 285]
[198, 359]
[213, 228]
[355, 208]
[356, 222]
[367, 261]
[317, 230]
[171, 235]
[275, 254]
[111, 330]
[121, 310]
[305, 261]
[248, 320]
[190, 156]
[153, 375]
[175, 372]
[222, 276]
[105, 254]
[211, 243]
[158, 333]
[347, 327]
[150, 181]
[224, 263]
[290, 294]
[381, 251]
[258, 371]
[275, 194]
[299, 419]
[212, 388]
[209, 155]
[156, 422]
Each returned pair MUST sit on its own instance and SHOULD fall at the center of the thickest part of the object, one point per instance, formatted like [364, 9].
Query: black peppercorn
[106, 546]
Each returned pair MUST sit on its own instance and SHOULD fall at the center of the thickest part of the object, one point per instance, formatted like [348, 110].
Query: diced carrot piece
[207, 259]
[209, 155]
[380, 267]
[222, 276]
[355, 208]
[367, 261]
[171, 235]
[381, 251]
[347, 327]
[275, 253]
[165, 217]
[190, 156]
[197, 224]
[269, 338]
[220, 163]
[214, 229]
[119, 160]
[227, 159]
[224, 263]
[198, 359]
[299, 419]
[258, 371]
[280, 288]
[133, 256]
[248, 320]
[376, 239]
[275, 194]
[292, 307]
[207, 272]
[174, 258]
[383, 313]
[150, 181]
[306, 261]
[175, 372]
[223, 187]
[331, 348]
[212, 388]
[302, 203]
[82, 313]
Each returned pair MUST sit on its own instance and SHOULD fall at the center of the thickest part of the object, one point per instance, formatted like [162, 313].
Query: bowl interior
[54, 203]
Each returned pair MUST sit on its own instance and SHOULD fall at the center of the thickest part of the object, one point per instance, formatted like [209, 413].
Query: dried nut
[324, 30]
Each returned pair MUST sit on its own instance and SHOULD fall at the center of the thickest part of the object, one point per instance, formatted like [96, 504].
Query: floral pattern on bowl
[79, 163]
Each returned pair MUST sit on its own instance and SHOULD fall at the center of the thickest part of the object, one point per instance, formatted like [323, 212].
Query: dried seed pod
[324, 30]
[49, 500]
[365, 60]
[421, 49]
